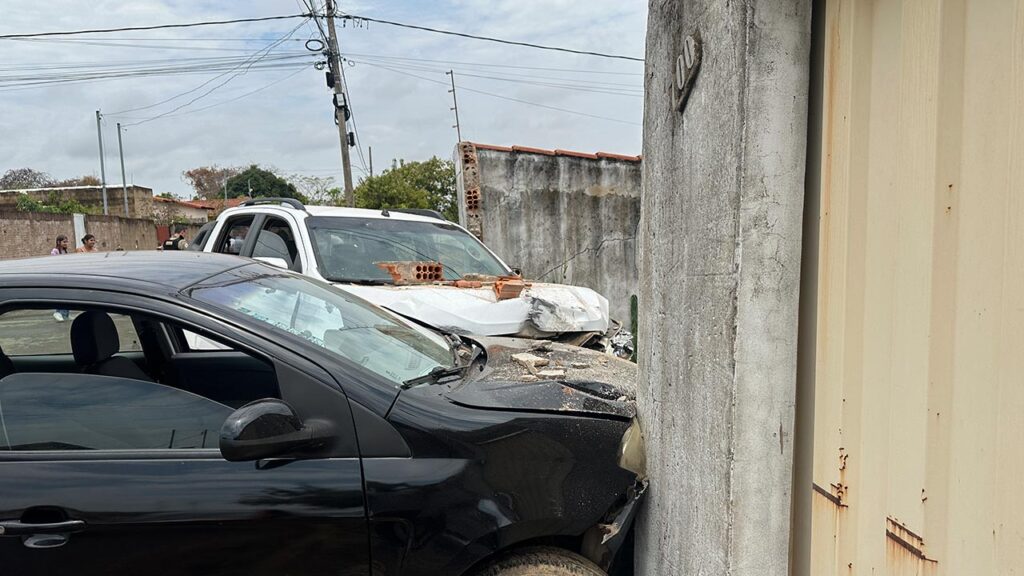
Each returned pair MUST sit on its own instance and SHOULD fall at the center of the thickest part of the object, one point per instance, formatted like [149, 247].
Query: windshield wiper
[435, 375]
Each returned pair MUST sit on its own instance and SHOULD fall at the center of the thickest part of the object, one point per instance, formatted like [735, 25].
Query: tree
[87, 180]
[429, 184]
[208, 181]
[20, 178]
[255, 181]
[317, 189]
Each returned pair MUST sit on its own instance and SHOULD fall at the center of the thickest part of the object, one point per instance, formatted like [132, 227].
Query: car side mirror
[517, 271]
[273, 261]
[267, 428]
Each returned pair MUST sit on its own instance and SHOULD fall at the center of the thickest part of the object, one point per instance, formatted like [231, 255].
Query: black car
[190, 413]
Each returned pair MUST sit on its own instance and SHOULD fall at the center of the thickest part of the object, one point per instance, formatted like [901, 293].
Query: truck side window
[277, 240]
[233, 237]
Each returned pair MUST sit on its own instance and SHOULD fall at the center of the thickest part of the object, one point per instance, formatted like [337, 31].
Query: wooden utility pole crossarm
[340, 101]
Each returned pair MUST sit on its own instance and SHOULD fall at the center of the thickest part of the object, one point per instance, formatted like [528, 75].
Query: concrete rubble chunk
[529, 378]
[530, 361]
[551, 373]
[580, 365]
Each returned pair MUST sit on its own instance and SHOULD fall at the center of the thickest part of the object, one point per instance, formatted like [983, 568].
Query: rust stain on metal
[833, 498]
[507, 287]
[904, 545]
[413, 272]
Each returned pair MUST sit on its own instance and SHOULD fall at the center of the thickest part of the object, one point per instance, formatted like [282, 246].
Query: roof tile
[558, 152]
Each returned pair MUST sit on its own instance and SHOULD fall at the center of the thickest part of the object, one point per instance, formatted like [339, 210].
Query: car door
[103, 475]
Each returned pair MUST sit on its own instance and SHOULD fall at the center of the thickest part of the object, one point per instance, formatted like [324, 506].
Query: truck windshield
[330, 319]
[348, 249]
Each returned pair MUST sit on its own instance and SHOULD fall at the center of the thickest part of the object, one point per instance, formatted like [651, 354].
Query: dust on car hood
[541, 310]
[549, 377]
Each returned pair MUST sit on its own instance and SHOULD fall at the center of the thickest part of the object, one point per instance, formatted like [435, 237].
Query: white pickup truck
[461, 286]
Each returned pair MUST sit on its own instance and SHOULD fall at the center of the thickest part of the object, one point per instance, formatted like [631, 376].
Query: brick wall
[31, 234]
[129, 233]
[26, 234]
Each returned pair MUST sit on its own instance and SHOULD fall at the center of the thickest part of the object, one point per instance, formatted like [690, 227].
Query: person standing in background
[176, 241]
[60, 247]
[88, 244]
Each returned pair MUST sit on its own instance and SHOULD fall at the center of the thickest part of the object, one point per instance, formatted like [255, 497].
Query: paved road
[37, 332]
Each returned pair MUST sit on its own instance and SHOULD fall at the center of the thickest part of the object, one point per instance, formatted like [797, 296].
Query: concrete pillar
[719, 285]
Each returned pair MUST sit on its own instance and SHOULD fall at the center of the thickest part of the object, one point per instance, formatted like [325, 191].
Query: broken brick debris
[506, 287]
[412, 272]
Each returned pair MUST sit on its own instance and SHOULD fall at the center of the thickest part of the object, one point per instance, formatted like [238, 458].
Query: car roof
[342, 212]
[173, 270]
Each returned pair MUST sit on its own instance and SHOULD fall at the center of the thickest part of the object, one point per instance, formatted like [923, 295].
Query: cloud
[288, 124]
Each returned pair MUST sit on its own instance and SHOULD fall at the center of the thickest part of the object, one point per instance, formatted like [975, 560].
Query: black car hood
[590, 383]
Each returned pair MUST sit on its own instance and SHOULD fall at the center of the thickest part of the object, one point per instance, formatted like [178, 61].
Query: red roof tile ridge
[573, 153]
[558, 152]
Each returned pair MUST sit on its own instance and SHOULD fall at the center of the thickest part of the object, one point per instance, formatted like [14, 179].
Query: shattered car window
[347, 249]
[330, 319]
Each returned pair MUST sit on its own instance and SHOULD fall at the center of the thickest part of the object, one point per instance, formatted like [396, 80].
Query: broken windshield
[348, 249]
[330, 319]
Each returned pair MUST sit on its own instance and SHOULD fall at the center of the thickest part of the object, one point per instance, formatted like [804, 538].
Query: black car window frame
[323, 396]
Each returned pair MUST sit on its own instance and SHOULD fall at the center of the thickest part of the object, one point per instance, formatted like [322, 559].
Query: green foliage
[429, 184]
[167, 195]
[55, 204]
[262, 183]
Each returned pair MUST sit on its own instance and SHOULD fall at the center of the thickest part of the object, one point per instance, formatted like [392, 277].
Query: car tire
[541, 561]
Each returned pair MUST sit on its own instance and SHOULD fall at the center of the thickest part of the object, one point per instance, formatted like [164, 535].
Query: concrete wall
[720, 242]
[920, 348]
[26, 234]
[561, 217]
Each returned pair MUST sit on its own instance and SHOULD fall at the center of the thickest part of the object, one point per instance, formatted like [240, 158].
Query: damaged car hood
[549, 377]
[541, 310]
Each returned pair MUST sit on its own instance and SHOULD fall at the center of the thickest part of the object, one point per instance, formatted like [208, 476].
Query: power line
[566, 110]
[138, 74]
[130, 72]
[117, 44]
[488, 39]
[576, 87]
[491, 65]
[156, 27]
[401, 63]
[352, 115]
[254, 57]
[229, 79]
[239, 97]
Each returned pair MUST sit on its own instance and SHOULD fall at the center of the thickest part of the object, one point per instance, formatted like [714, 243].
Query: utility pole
[371, 160]
[103, 168]
[341, 112]
[458, 128]
[124, 181]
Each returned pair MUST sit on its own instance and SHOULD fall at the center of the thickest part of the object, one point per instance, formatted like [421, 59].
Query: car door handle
[18, 528]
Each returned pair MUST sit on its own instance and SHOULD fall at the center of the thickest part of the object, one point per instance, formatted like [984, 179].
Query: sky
[266, 103]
